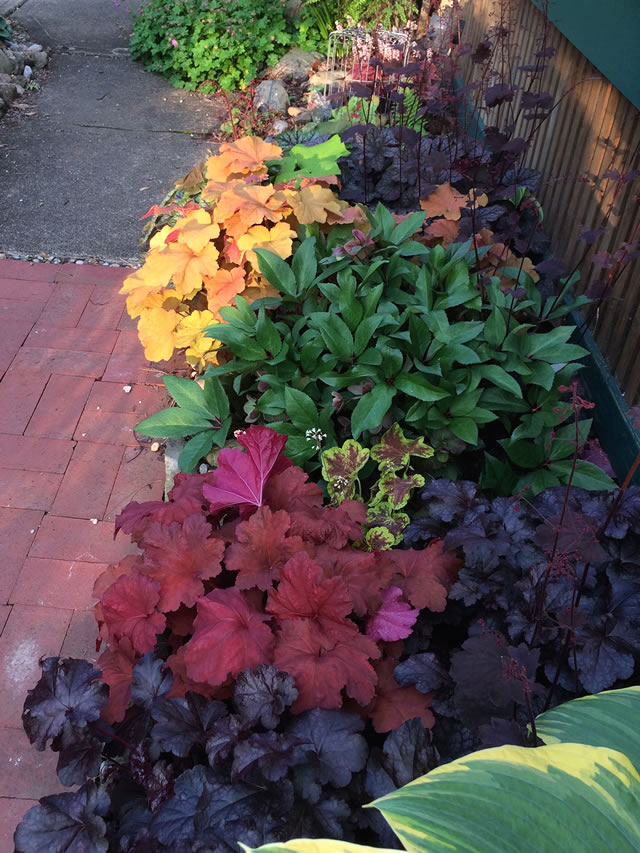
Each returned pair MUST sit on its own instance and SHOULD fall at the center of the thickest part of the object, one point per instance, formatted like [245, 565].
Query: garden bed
[406, 543]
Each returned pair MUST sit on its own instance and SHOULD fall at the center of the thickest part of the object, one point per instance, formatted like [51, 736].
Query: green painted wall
[607, 32]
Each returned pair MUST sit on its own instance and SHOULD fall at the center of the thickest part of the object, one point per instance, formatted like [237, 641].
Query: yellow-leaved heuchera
[202, 261]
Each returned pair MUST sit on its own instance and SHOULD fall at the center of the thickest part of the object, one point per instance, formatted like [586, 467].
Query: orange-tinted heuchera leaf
[444, 201]
[444, 231]
[117, 664]
[334, 526]
[262, 548]
[229, 637]
[322, 666]
[394, 705]
[129, 609]
[182, 684]
[290, 490]
[425, 576]
[364, 574]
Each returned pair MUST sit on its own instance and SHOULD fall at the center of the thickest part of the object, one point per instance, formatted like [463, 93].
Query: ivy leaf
[394, 450]
[322, 666]
[227, 623]
[336, 747]
[262, 547]
[129, 609]
[394, 619]
[69, 691]
[425, 576]
[66, 823]
[240, 477]
[394, 705]
[340, 467]
[261, 695]
[181, 724]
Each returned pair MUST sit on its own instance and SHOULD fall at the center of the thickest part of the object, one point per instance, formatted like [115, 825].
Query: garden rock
[297, 64]
[38, 59]
[325, 78]
[8, 92]
[7, 62]
[271, 96]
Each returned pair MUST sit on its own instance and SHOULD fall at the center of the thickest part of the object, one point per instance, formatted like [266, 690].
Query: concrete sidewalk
[107, 141]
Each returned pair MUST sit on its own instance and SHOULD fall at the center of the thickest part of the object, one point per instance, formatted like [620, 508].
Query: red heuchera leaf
[425, 576]
[334, 526]
[229, 637]
[180, 621]
[262, 548]
[364, 574]
[240, 477]
[394, 620]
[182, 684]
[394, 705]
[180, 556]
[291, 491]
[129, 610]
[126, 566]
[322, 666]
[305, 593]
[117, 664]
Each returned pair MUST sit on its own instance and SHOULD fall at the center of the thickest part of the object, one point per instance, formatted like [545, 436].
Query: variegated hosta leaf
[320, 845]
[566, 797]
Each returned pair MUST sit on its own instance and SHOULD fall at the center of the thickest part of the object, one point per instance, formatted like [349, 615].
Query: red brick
[92, 274]
[27, 453]
[78, 539]
[12, 336]
[60, 406]
[21, 310]
[144, 400]
[25, 773]
[18, 528]
[20, 392]
[103, 310]
[71, 362]
[140, 478]
[80, 340]
[5, 610]
[88, 481]
[127, 360]
[108, 427]
[80, 641]
[66, 304]
[12, 811]
[28, 489]
[30, 633]
[13, 288]
[27, 271]
[56, 583]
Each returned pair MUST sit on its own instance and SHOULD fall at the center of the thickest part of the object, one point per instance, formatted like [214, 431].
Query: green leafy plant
[316, 21]
[383, 330]
[5, 30]
[584, 785]
[197, 43]
[308, 161]
[201, 414]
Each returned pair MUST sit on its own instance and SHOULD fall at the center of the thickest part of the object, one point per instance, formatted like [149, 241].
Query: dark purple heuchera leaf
[590, 236]
[262, 694]
[408, 752]
[335, 747]
[269, 754]
[571, 535]
[150, 680]
[227, 732]
[423, 670]
[66, 823]
[482, 53]
[154, 777]
[542, 100]
[69, 691]
[522, 177]
[181, 724]
[80, 755]
[552, 267]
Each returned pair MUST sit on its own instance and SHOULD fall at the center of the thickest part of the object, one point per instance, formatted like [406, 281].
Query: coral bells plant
[245, 567]
[206, 255]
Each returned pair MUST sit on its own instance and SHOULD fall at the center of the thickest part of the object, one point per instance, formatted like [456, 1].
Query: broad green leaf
[300, 408]
[277, 272]
[238, 341]
[407, 228]
[565, 797]
[465, 428]
[498, 376]
[313, 161]
[195, 450]
[335, 334]
[371, 408]
[365, 331]
[465, 403]
[495, 327]
[606, 719]
[526, 454]
[188, 394]
[304, 264]
[416, 386]
[175, 422]
[267, 335]
[586, 475]
[438, 324]
[216, 397]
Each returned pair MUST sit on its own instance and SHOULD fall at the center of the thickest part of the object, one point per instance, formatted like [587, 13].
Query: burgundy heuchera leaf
[129, 609]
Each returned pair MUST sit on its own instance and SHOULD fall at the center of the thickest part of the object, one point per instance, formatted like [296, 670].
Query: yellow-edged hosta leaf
[512, 799]
[155, 330]
[222, 287]
[314, 845]
[312, 204]
[186, 268]
[444, 201]
[278, 240]
[247, 154]
[191, 327]
[197, 229]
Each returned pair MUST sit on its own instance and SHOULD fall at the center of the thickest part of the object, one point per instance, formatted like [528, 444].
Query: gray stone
[271, 96]
[38, 59]
[7, 62]
[326, 78]
[302, 117]
[28, 71]
[5, 78]
[35, 48]
[19, 89]
[295, 65]
[292, 9]
[8, 92]
[279, 126]
[172, 451]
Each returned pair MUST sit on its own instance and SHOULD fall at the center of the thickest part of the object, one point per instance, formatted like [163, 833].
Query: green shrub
[199, 43]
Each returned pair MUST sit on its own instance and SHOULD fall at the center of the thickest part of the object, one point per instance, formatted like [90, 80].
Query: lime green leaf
[313, 161]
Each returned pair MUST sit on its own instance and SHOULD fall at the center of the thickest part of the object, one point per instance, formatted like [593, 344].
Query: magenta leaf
[395, 618]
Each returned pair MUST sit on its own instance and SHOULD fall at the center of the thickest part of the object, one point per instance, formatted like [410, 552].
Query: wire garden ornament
[350, 53]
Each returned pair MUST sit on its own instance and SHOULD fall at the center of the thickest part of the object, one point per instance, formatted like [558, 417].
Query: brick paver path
[68, 463]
